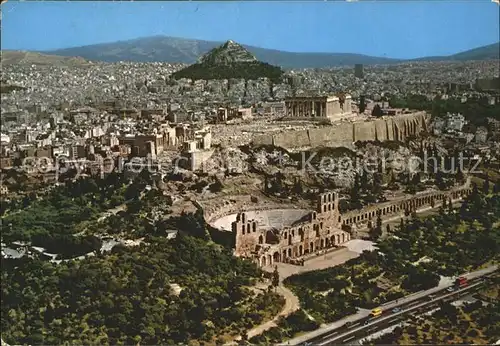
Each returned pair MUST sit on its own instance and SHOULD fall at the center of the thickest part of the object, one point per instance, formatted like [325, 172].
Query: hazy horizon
[383, 29]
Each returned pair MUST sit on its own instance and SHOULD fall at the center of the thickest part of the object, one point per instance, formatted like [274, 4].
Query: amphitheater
[266, 219]
[268, 232]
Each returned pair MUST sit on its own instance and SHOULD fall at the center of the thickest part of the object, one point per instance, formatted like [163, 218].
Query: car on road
[348, 324]
[396, 310]
[450, 289]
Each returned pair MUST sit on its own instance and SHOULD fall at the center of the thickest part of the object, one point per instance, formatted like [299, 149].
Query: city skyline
[433, 28]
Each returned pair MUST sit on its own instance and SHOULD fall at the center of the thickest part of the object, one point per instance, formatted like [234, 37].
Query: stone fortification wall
[342, 134]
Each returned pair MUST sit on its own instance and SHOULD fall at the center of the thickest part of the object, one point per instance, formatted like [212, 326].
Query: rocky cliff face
[229, 53]
[396, 128]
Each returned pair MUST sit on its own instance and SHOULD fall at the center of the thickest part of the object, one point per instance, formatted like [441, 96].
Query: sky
[396, 29]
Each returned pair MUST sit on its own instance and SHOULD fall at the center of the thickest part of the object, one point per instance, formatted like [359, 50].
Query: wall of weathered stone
[390, 128]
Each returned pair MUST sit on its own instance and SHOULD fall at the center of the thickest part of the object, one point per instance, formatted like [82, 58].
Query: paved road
[353, 333]
[292, 304]
[444, 283]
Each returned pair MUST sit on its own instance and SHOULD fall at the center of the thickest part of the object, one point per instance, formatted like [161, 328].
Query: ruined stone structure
[318, 230]
[325, 228]
[396, 128]
[318, 107]
[401, 207]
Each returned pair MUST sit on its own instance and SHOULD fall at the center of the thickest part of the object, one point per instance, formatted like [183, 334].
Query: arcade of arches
[323, 229]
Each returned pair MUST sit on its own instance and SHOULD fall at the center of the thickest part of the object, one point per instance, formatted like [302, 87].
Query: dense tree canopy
[126, 296]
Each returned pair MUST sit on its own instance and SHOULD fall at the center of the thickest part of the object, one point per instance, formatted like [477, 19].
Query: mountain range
[180, 50]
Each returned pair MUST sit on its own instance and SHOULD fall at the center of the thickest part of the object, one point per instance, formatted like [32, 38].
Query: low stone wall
[345, 133]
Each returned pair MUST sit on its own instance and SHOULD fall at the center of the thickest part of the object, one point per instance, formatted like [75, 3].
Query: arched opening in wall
[311, 247]
[293, 233]
[327, 242]
[332, 240]
[338, 239]
[300, 250]
[343, 238]
[322, 244]
[269, 260]
[263, 262]
[285, 235]
[301, 233]
[329, 207]
[289, 252]
[261, 239]
[243, 229]
[276, 257]
[289, 239]
[284, 255]
[324, 208]
[329, 197]
[254, 227]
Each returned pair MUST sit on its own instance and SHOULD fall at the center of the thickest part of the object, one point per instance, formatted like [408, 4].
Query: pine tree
[276, 277]
[362, 104]
[402, 224]
[377, 111]
[486, 185]
[364, 181]
[379, 222]
[355, 196]
[496, 188]
[376, 232]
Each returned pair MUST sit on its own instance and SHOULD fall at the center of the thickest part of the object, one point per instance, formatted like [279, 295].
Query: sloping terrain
[227, 61]
[188, 51]
[10, 57]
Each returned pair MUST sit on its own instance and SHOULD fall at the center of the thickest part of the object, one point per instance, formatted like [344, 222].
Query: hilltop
[230, 60]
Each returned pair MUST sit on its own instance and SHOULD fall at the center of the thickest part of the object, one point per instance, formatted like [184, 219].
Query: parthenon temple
[318, 107]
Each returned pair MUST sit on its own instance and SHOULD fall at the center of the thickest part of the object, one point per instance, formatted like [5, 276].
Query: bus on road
[376, 312]
[461, 282]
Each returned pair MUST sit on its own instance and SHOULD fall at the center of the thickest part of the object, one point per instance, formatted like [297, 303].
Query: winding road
[291, 305]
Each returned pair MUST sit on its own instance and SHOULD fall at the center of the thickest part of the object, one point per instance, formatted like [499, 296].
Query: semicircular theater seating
[266, 219]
